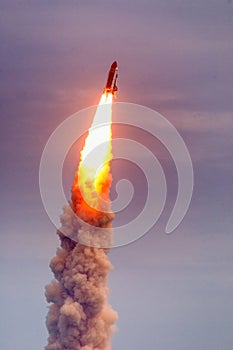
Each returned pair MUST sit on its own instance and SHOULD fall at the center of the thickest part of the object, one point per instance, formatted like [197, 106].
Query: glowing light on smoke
[93, 177]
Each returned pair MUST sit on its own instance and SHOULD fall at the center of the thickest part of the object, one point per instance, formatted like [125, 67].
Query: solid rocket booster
[111, 85]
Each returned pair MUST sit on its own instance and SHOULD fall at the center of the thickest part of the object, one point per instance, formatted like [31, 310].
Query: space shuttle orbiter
[111, 85]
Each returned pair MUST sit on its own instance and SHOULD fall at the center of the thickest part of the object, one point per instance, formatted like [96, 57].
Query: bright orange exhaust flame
[93, 177]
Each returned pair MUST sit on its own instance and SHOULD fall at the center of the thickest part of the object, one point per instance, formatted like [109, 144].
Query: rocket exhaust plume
[79, 317]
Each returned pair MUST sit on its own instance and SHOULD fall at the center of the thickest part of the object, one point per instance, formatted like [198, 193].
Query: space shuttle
[111, 85]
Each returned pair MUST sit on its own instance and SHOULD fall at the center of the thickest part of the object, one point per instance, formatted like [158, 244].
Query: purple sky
[174, 56]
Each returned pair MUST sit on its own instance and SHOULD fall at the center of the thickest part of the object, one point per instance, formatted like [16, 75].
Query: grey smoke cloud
[79, 316]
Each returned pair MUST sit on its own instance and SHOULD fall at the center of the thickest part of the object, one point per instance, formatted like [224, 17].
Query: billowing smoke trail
[79, 316]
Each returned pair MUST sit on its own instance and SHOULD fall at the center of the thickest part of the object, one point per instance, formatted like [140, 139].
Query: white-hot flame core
[97, 151]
